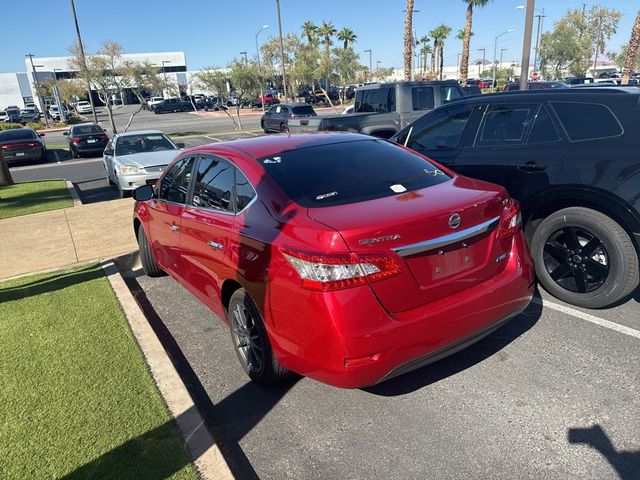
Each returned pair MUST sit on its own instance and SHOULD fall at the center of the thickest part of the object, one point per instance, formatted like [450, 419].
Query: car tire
[284, 128]
[74, 153]
[149, 265]
[251, 342]
[584, 258]
[185, 109]
[264, 127]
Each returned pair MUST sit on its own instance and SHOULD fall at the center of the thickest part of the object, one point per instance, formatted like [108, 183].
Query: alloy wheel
[576, 259]
[247, 339]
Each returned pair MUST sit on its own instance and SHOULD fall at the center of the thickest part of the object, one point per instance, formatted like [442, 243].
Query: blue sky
[213, 32]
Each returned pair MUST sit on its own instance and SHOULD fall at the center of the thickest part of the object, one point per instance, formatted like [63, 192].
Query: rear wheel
[264, 127]
[584, 258]
[284, 127]
[251, 342]
[149, 264]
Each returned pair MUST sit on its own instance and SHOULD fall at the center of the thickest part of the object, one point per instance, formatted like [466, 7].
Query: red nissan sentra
[341, 257]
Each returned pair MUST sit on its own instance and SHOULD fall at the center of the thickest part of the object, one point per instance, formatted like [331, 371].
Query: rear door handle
[532, 167]
[216, 245]
[174, 227]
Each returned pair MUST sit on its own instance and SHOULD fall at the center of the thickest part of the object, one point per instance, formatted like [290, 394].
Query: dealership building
[17, 88]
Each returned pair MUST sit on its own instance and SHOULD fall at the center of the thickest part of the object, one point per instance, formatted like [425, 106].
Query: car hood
[149, 159]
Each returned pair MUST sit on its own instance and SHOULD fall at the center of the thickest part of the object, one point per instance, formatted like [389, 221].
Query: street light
[495, 49]
[484, 57]
[370, 64]
[63, 116]
[35, 83]
[264, 27]
[526, 45]
[246, 61]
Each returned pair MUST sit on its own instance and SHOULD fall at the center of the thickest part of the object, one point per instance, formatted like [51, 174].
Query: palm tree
[632, 51]
[346, 36]
[460, 35]
[425, 50]
[309, 30]
[439, 35]
[466, 40]
[408, 39]
[326, 31]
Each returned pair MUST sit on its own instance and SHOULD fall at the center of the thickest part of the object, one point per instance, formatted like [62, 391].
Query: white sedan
[133, 159]
[83, 107]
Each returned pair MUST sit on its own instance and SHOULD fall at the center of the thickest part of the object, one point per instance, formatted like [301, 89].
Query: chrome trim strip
[445, 240]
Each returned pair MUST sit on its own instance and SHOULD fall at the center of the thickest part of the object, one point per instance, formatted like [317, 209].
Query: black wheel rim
[576, 259]
[246, 339]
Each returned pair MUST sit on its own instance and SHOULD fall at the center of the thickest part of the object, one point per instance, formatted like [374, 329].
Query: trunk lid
[413, 228]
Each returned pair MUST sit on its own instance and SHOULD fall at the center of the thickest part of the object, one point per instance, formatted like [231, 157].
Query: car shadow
[476, 353]
[58, 155]
[625, 463]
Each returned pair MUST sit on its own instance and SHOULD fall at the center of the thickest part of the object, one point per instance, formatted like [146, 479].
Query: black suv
[172, 105]
[571, 157]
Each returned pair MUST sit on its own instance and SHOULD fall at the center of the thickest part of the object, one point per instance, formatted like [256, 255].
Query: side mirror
[143, 193]
[180, 145]
[41, 134]
[66, 134]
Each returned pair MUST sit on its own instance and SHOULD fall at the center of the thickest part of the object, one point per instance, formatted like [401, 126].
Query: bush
[9, 126]
[72, 119]
[35, 125]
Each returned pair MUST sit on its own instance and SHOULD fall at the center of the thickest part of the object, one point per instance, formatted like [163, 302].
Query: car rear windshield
[17, 135]
[350, 172]
[86, 129]
[305, 110]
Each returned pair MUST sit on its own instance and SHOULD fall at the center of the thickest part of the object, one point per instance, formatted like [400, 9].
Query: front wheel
[264, 127]
[584, 258]
[149, 265]
[251, 342]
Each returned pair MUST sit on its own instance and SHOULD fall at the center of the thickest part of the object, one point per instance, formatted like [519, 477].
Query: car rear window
[350, 172]
[86, 129]
[422, 98]
[305, 110]
[17, 135]
[587, 121]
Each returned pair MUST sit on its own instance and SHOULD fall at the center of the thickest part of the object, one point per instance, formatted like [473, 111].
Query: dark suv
[172, 105]
[571, 157]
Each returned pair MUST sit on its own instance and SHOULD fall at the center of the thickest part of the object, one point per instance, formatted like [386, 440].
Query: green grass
[33, 197]
[76, 397]
[57, 147]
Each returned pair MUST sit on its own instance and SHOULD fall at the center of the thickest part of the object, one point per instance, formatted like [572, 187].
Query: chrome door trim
[439, 242]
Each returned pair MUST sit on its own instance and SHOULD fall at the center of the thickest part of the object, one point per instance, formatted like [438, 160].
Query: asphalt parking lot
[553, 394]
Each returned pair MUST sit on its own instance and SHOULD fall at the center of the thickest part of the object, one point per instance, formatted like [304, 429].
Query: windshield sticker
[398, 188]
[154, 137]
[326, 195]
[434, 173]
[272, 160]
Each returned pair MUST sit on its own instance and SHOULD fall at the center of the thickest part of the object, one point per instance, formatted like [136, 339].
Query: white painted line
[212, 138]
[209, 460]
[251, 133]
[590, 318]
[57, 164]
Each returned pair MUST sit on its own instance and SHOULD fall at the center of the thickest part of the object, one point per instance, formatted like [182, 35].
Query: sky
[213, 32]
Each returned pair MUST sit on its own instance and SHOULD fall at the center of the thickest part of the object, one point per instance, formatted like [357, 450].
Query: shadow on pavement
[476, 353]
[626, 463]
[57, 155]
[50, 283]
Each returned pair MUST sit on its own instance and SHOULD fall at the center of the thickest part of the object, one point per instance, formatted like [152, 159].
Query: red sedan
[341, 257]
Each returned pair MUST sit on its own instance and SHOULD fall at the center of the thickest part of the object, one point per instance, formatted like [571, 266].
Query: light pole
[484, 58]
[502, 50]
[246, 61]
[83, 60]
[63, 115]
[370, 65]
[35, 83]
[526, 45]
[284, 80]
[495, 50]
[264, 27]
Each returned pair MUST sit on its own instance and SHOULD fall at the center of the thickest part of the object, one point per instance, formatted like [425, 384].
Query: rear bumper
[23, 155]
[351, 325]
[93, 147]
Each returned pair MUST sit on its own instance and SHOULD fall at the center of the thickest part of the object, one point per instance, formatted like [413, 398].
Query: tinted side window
[175, 184]
[379, 100]
[450, 93]
[213, 185]
[422, 98]
[543, 130]
[505, 125]
[441, 130]
[244, 191]
[587, 121]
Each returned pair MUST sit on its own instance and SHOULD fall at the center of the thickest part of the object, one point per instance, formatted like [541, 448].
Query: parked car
[472, 90]
[13, 114]
[83, 107]
[345, 237]
[54, 112]
[172, 105]
[276, 119]
[269, 99]
[578, 80]
[383, 109]
[485, 83]
[22, 145]
[153, 101]
[4, 116]
[86, 138]
[510, 87]
[29, 115]
[138, 158]
[568, 156]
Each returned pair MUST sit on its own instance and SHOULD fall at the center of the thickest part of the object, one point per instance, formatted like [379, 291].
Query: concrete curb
[73, 193]
[208, 458]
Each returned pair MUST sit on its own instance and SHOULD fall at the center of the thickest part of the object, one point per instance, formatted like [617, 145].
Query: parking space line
[590, 318]
[212, 138]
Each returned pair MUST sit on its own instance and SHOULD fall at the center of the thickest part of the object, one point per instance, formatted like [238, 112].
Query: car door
[207, 222]
[283, 117]
[165, 214]
[518, 145]
[107, 157]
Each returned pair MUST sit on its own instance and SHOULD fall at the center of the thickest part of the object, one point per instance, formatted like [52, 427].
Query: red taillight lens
[104, 137]
[75, 139]
[326, 272]
[15, 146]
[511, 220]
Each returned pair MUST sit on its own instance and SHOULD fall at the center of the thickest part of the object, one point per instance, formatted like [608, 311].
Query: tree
[5, 174]
[215, 81]
[603, 23]
[246, 80]
[71, 90]
[408, 39]
[271, 54]
[439, 35]
[141, 78]
[425, 50]
[326, 31]
[633, 52]
[310, 30]
[466, 39]
[347, 37]
[346, 66]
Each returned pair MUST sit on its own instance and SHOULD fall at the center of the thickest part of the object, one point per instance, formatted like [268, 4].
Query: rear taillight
[75, 139]
[511, 220]
[104, 137]
[326, 272]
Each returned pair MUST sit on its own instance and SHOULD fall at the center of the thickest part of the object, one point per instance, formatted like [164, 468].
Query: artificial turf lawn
[76, 397]
[33, 197]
